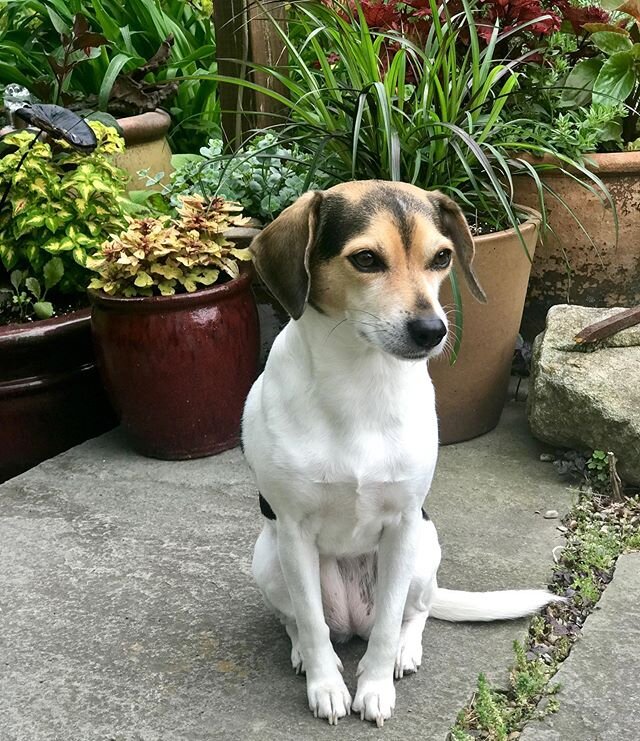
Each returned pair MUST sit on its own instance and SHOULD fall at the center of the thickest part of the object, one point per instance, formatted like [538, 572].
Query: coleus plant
[530, 19]
[165, 255]
[61, 203]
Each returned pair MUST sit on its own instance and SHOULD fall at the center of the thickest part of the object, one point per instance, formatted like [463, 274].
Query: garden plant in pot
[264, 176]
[586, 91]
[59, 205]
[175, 328]
[139, 62]
[425, 106]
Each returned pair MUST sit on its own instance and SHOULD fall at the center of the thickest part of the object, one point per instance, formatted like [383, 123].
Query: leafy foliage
[39, 37]
[28, 298]
[429, 114]
[263, 176]
[165, 255]
[589, 86]
[61, 203]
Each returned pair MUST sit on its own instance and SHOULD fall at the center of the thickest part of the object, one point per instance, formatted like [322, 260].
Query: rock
[551, 514]
[586, 398]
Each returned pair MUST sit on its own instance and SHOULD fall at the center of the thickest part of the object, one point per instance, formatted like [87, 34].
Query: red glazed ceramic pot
[51, 397]
[178, 368]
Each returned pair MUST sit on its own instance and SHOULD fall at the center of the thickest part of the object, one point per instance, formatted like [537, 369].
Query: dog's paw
[375, 700]
[297, 662]
[329, 698]
[409, 656]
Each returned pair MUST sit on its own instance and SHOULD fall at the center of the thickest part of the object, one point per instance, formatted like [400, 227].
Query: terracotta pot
[146, 146]
[51, 397]
[178, 368]
[470, 394]
[568, 268]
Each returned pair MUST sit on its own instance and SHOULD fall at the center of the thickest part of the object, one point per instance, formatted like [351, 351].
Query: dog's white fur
[342, 439]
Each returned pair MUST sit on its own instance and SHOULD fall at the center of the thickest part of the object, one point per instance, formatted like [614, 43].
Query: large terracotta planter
[51, 397]
[568, 268]
[470, 394]
[146, 146]
[178, 368]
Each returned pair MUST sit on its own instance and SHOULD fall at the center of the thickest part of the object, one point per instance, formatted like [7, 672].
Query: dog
[341, 434]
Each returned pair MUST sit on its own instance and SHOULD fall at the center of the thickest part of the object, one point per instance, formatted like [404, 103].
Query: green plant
[264, 176]
[61, 203]
[29, 295]
[165, 255]
[598, 469]
[598, 529]
[43, 47]
[614, 79]
[430, 115]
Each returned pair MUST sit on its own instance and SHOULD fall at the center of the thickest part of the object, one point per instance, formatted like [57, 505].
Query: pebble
[547, 457]
[551, 514]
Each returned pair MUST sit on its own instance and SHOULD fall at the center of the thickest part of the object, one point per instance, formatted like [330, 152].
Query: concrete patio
[128, 612]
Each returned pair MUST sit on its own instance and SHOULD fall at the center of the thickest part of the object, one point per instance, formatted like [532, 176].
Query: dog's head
[373, 253]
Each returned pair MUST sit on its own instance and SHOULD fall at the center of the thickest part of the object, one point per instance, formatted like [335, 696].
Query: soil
[63, 306]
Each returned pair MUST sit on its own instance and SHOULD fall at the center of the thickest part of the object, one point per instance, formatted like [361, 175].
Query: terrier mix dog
[341, 434]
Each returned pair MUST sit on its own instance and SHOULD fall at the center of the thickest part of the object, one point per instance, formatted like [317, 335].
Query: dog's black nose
[426, 331]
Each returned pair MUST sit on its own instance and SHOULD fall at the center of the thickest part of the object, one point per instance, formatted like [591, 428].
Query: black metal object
[60, 123]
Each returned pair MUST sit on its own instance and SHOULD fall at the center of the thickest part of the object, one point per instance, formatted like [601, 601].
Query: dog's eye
[441, 260]
[367, 262]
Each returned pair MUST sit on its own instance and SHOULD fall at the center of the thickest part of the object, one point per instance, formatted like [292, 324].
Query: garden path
[128, 612]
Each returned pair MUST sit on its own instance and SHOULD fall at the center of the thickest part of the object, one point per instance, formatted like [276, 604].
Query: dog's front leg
[327, 693]
[376, 694]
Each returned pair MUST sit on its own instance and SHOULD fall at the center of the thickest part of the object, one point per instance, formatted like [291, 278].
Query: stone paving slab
[127, 609]
[600, 690]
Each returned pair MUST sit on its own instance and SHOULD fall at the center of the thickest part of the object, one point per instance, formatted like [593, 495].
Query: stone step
[600, 693]
[128, 612]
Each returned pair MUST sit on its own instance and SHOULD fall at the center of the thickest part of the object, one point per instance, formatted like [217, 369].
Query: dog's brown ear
[455, 226]
[281, 252]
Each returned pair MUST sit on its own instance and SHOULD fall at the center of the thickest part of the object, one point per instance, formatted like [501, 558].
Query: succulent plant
[165, 255]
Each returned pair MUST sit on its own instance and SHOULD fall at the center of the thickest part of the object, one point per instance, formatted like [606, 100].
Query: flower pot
[470, 394]
[568, 268]
[51, 397]
[146, 145]
[178, 368]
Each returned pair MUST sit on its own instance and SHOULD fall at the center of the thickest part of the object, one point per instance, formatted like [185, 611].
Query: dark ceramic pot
[178, 368]
[51, 397]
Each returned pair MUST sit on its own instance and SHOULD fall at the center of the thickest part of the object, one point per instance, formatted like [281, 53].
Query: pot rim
[175, 302]
[145, 127]
[13, 335]
[532, 222]
[596, 162]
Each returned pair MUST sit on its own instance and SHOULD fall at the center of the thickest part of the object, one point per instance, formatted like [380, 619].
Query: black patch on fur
[340, 221]
[425, 516]
[265, 508]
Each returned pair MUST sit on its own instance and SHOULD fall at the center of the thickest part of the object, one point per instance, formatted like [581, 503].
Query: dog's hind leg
[416, 611]
[268, 574]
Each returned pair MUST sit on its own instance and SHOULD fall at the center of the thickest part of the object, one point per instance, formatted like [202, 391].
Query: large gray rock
[587, 399]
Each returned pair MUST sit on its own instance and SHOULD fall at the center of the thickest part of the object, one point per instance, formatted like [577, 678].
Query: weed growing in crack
[602, 524]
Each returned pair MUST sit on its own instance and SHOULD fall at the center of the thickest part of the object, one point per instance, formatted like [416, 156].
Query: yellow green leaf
[143, 280]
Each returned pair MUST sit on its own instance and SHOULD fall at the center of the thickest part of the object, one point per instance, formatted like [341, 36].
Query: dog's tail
[456, 606]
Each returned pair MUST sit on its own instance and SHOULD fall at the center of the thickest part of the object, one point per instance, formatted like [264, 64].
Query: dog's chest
[345, 481]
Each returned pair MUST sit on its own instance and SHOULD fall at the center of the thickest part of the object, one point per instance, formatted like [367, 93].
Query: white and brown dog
[341, 434]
